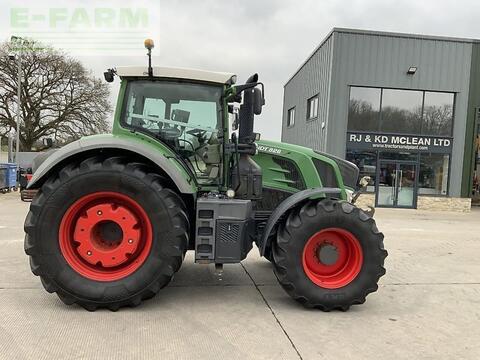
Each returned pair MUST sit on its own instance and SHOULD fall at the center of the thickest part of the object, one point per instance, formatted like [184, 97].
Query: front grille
[228, 233]
[349, 173]
[348, 170]
[326, 173]
[293, 173]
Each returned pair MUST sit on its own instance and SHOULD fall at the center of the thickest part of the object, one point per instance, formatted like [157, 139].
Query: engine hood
[348, 170]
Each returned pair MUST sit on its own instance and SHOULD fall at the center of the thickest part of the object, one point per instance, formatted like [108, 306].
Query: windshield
[184, 116]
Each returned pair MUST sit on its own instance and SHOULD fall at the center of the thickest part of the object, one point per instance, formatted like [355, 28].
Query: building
[403, 107]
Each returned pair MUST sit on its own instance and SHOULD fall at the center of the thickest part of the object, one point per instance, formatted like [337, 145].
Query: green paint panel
[274, 176]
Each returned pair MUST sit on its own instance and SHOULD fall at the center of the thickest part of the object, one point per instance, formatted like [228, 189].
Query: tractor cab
[188, 110]
[187, 114]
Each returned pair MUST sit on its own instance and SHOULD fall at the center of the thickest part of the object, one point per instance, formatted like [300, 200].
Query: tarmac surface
[427, 306]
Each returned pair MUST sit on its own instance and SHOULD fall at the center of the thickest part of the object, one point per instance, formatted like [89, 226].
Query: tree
[59, 97]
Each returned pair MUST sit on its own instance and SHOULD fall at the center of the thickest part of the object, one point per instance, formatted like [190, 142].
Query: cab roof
[176, 73]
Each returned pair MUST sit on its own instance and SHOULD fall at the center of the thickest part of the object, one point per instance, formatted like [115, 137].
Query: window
[185, 117]
[367, 164]
[433, 179]
[438, 114]
[401, 111]
[312, 108]
[364, 109]
[291, 117]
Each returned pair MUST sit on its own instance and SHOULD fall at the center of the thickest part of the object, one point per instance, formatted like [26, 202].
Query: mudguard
[108, 141]
[287, 204]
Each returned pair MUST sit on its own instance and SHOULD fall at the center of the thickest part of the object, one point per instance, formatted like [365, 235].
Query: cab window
[184, 116]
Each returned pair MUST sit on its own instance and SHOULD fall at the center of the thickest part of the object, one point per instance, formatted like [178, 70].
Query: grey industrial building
[403, 107]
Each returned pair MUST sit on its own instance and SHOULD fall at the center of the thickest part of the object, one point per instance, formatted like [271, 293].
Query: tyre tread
[176, 210]
[294, 220]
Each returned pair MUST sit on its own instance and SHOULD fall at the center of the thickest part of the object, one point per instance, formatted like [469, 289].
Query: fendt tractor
[114, 214]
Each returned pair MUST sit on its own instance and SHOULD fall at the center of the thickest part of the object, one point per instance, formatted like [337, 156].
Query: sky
[268, 37]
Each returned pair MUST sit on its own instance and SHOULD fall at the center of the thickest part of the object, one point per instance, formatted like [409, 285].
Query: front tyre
[105, 232]
[329, 255]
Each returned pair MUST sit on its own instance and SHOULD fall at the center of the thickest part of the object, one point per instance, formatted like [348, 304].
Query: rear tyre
[329, 255]
[105, 232]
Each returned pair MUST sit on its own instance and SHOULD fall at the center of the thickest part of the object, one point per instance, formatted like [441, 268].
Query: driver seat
[171, 133]
[180, 116]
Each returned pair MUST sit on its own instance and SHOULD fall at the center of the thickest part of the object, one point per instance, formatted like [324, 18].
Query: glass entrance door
[397, 185]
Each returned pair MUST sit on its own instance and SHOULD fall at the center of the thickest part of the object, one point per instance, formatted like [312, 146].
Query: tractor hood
[276, 147]
[348, 170]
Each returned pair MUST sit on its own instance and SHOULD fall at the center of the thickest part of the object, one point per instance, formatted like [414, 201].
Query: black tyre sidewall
[72, 283]
[291, 240]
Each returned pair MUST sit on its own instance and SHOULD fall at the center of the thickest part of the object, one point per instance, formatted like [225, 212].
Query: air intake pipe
[246, 173]
[246, 113]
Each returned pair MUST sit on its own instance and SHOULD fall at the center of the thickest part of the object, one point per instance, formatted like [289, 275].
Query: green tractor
[113, 215]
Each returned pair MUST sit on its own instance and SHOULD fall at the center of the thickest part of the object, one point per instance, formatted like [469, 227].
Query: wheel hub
[105, 236]
[332, 258]
[327, 254]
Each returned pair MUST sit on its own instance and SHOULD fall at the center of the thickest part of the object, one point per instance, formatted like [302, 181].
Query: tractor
[113, 215]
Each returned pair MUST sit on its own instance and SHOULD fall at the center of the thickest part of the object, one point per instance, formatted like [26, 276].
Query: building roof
[176, 73]
[380, 33]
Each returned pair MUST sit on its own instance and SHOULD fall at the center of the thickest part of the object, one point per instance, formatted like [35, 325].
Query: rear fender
[158, 156]
[286, 205]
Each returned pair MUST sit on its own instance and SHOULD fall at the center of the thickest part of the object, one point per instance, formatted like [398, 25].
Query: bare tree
[60, 98]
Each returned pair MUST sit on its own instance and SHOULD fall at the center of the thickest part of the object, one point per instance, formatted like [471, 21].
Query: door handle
[400, 180]
[394, 187]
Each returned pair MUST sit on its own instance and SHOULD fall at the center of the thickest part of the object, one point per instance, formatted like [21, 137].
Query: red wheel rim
[105, 236]
[332, 258]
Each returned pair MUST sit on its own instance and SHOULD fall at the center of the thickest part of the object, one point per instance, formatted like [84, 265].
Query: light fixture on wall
[411, 70]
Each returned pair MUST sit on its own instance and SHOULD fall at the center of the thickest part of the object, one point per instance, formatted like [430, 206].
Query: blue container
[8, 176]
[11, 175]
[3, 177]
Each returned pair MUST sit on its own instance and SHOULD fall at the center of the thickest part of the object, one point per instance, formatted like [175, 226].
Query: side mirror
[109, 75]
[258, 101]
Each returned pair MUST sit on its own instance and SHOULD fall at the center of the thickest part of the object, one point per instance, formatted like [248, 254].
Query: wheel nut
[99, 212]
[89, 253]
[130, 241]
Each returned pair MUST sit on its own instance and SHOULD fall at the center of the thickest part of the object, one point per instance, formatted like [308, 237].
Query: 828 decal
[268, 149]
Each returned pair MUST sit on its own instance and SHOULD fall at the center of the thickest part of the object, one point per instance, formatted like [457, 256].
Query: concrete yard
[427, 306]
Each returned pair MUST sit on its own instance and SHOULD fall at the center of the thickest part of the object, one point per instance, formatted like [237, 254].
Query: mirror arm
[241, 88]
[238, 89]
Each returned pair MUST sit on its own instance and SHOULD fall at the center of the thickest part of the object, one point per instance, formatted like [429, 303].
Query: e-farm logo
[86, 30]
[80, 18]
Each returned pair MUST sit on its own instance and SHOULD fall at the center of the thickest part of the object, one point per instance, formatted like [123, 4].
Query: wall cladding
[314, 78]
